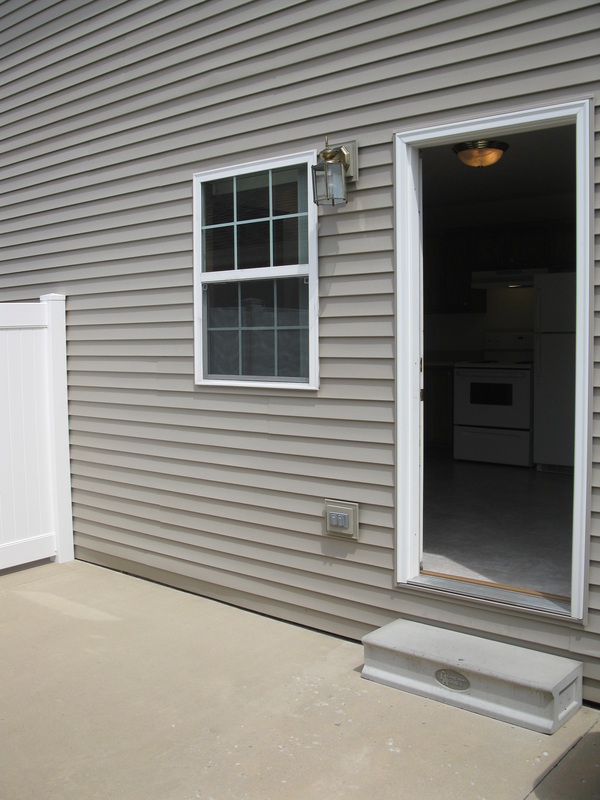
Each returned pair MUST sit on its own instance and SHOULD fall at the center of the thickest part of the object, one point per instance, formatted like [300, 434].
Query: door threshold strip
[505, 587]
[481, 590]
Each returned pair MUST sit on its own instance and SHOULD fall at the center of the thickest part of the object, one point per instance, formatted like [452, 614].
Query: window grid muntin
[302, 242]
[240, 328]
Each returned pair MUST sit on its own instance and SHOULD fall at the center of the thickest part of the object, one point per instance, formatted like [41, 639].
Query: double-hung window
[255, 275]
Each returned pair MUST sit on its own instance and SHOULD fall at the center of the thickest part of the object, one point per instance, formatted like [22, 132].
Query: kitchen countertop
[448, 358]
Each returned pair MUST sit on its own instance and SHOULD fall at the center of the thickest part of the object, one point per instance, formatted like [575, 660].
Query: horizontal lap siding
[107, 110]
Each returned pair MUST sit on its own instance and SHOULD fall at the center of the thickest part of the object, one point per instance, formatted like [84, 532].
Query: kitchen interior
[499, 369]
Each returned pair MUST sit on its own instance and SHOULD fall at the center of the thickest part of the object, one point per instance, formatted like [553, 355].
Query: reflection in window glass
[258, 353]
[292, 302]
[218, 249]
[258, 304]
[223, 352]
[292, 354]
[289, 191]
[223, 305]
[217, 202]
[258, 328]
[253, 245]
[252, 194]
[290, 241]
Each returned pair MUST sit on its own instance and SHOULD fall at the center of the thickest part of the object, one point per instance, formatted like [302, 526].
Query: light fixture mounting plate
[352, 149]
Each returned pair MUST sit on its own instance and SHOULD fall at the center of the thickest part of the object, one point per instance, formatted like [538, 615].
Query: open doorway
[493, 453]
[499, 262]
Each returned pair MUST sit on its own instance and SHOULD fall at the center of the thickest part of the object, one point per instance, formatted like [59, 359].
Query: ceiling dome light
[480, 153]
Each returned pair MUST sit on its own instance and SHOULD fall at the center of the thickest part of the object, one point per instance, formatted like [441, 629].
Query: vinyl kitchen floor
[498, 524]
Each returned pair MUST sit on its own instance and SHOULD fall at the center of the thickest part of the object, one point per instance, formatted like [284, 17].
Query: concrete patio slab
[114, 687]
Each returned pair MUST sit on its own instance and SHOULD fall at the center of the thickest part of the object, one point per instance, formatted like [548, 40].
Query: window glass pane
[253, 196]
[222, 305]
[290, 241]
[292, 354]
[292, 302]
[289, 190]
[258, 353]
[218, 249]
[254, 248]
[263, 323]
[223, 352]
[258, 304]
[217, 201]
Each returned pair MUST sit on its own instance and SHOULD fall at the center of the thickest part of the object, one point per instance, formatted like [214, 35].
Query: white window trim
[409, 344]
[309, 270]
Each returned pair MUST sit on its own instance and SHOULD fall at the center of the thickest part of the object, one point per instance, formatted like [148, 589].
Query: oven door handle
[493, 374]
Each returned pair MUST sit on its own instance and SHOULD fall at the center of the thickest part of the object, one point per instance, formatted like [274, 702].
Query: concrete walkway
[116, 688]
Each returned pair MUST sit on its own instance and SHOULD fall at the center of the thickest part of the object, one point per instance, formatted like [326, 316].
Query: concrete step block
[524, 687]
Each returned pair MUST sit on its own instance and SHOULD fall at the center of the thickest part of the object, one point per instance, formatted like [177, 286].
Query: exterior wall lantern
[337, 166]
[480, 153]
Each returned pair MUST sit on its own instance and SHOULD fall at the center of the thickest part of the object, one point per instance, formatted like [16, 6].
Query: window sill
[250, 384]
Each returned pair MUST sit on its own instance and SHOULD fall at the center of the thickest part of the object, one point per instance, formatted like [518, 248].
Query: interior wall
[509, 309]
[454, 332]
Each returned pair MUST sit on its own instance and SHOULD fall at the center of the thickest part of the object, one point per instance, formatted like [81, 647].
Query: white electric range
[493, 402]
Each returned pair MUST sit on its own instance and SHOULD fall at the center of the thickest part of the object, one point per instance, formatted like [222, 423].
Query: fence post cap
[45, 298]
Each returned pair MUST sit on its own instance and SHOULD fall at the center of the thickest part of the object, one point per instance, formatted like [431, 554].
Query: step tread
[462, 651]
[514, 684]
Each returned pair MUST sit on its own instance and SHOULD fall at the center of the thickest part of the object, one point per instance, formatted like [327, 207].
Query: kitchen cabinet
[447, 283]
[451, 255]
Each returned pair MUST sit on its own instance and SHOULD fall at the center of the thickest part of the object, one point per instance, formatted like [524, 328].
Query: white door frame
[409, 326]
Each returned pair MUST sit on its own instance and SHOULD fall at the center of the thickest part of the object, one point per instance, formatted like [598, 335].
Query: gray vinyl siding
[107, 108]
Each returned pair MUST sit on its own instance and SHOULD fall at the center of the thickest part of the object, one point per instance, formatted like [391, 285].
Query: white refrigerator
[554, 370]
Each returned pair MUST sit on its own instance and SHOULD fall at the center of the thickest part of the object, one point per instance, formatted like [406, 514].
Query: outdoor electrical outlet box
[341, 519]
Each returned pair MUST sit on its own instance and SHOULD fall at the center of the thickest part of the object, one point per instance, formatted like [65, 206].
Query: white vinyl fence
[35, 480]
